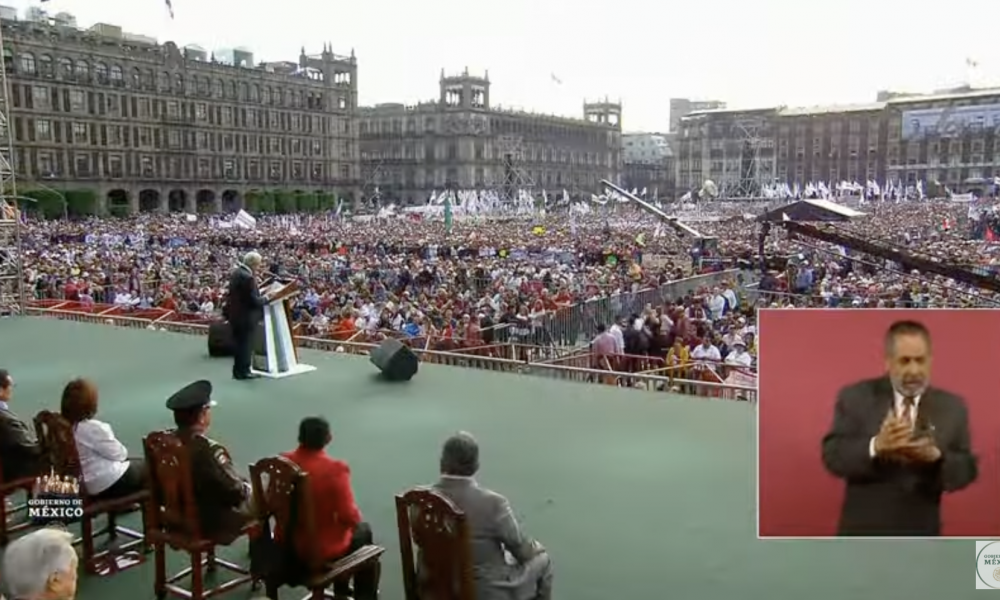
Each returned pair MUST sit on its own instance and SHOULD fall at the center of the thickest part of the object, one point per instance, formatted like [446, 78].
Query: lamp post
[65, 203]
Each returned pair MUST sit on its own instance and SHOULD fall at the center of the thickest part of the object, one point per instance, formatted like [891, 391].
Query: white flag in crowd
[245, 220]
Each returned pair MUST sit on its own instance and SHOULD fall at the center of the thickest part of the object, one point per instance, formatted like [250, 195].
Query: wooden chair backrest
[438, 529]
[172, 485]
[58, 442]
[276, 480]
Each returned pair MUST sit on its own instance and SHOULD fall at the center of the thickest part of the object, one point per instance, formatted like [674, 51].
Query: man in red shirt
[338, 525]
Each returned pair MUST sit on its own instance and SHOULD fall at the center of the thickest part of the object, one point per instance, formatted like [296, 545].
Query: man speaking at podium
[899, 444]
[244, 310]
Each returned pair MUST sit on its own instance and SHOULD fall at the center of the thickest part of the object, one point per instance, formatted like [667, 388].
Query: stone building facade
[153, 127]
[649, 164]
[460, 141]
[946, 138]
[951, 138]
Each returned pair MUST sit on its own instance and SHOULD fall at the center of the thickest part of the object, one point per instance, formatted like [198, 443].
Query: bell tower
[465, 91]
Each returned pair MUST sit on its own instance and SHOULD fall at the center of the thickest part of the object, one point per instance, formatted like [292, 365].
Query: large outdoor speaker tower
[395, 359]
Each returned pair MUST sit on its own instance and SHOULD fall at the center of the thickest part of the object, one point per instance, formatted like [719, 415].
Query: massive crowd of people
[482, 277]
[475, 280]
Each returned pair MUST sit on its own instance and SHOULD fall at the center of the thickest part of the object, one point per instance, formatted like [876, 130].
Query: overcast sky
[748, 53]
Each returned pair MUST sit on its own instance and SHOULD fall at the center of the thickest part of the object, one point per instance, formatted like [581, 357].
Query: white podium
[280, 357]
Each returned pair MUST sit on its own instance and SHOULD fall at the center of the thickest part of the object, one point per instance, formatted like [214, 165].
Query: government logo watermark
[55, 500]
[988, 565]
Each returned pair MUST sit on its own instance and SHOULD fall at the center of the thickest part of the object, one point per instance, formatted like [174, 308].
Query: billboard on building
[951, 121]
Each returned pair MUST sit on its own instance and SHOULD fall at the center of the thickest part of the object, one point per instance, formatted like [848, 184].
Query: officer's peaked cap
[194, 395]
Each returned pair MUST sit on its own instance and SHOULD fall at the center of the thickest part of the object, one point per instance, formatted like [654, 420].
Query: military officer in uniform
[221, 494]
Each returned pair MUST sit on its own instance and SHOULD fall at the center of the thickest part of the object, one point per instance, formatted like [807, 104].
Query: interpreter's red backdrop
[807, 356]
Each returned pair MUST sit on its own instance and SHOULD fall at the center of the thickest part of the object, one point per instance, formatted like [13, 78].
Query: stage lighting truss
[515, 178]
[752, 175]
[12, 292]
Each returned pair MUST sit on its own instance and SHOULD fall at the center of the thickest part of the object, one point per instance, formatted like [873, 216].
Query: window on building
[43, 130]
[78, 101]
[41, 97]
[102, 73]
[81, 164]
[115, 166]
[80, 133]
[27, 64]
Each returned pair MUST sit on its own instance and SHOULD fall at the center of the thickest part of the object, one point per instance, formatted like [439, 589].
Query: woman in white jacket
[108, 472]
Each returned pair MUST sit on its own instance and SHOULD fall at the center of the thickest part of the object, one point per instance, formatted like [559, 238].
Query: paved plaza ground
[636, 495]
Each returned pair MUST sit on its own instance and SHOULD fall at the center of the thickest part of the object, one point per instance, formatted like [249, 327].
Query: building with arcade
[156, 127]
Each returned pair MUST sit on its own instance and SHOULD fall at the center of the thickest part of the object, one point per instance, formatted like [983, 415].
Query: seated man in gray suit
[508, 565]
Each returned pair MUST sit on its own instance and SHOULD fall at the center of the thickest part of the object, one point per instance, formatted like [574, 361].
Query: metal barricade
[507, 357]
[577, 324]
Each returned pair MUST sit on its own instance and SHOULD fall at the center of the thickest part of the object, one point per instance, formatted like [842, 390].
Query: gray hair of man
[252, 259]
[32, 561]
[460, 455]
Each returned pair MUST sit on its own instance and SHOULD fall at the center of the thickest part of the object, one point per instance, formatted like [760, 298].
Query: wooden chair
[56, 437]
[431, 522]
[174, 522]
[276, 481]
[19, 511]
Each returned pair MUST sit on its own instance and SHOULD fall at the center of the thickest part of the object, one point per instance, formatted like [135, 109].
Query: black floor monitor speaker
[220, 339]
[395, 359]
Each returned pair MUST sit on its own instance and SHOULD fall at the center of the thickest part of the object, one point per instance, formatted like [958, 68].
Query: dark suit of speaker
[395, 359]
[244, 310]
[888, 498]
[20, 453]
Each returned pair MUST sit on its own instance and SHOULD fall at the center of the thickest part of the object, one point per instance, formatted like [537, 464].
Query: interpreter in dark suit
[20, 453]
[899, 444]
[221, 495]
[338, 523]
[244, 310]
[508, 565]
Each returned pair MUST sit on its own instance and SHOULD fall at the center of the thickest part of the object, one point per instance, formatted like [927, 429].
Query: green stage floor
[637, 496]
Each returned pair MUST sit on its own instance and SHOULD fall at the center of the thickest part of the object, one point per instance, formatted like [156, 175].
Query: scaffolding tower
[12, 292]
[751, 181]
[371, 192]
[510, 149]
